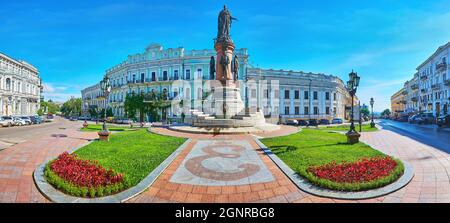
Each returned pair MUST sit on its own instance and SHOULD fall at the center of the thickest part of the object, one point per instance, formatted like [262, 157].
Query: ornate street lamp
[352, 86]
[85, 124]
[105, 86]
[372, 124]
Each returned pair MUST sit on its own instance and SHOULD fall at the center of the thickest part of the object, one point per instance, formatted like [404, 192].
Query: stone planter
[104, 135]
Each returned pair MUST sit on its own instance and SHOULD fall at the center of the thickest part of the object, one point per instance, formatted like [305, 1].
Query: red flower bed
[364, 170]
[82, 172]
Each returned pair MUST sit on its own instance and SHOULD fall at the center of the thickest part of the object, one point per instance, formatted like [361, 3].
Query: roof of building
[20, 62]
[438, 51]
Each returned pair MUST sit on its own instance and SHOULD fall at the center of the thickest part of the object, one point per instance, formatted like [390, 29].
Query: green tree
[71, 107]
[49, 107]
[153, 103]
[93, 112]
[365, 112]
[386, 112]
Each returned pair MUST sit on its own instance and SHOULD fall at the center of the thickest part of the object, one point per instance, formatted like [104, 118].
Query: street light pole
[372, 124]
[106, 88]
[352, 85]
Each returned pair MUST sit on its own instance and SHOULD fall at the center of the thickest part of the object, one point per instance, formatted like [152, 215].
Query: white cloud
[60, 92]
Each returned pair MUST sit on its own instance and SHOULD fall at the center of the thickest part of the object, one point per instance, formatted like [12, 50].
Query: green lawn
[365, 128]
[98, 127]
[132, 153]
[312, 147]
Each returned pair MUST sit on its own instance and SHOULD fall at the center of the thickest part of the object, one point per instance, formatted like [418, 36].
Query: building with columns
[282, 95]
[429, 89]
[92, 98]
[20, 87]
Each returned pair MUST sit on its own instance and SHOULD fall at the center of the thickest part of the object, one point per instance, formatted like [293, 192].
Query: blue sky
[72, 43]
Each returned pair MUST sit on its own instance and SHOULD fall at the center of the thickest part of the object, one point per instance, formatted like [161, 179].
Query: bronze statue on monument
[224, 24]
[235, 68]
[212, 68]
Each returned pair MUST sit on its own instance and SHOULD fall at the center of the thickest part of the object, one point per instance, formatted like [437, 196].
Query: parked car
[413, 119]
[426, 118]
[125, 121]
[403, 118]
[443, 120]
[324, 122]
[26, 119]
[302, 122]
[292, 122]
[18, 121]
[6, 121]
[36, 119]
[83, 118]
[73, 118]
[336, 121]
[313, 122]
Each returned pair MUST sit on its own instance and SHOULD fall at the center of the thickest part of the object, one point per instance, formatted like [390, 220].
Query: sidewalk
[18, 162]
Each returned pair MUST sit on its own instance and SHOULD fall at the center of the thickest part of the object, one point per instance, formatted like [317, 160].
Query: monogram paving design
[222, 163]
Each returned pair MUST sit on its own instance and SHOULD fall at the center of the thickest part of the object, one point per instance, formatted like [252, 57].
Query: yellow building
[398, 102]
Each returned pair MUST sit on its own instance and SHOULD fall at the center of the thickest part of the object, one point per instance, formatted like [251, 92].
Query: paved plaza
[223, 168]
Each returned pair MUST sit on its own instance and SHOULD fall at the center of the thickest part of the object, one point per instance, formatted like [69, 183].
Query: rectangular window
[253, 93]
[334, 97]
[316, 110]
[327, 95]
[315, 95]
[175, 74]
[277, 94]
[286, 110]
[199, 73]
[296, 94]
[164, 75]
[153, 76]
[306, 110]
[306, 95]
[297, 110]
[286, 94]
[188, 74]
[266, 93]
[327, 110]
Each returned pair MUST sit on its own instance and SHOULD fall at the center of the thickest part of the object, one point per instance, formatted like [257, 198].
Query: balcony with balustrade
[414, 86]
[441, 66]
[436, 86]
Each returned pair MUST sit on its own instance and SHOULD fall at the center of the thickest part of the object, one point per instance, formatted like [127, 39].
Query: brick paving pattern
[431, 182]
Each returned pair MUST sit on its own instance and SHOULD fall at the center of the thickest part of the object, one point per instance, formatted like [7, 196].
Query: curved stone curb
[306, 186]
[57, 196]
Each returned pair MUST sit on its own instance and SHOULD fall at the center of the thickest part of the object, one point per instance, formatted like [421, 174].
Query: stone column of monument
[226, 96]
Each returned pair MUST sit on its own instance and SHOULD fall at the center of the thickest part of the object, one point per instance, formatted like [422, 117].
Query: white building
[182, 74]
[434, 82]
[92, 98]
[20, 87]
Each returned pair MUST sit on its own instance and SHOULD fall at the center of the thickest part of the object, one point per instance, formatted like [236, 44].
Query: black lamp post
[372, 124]
[352, 85]
[105, 86]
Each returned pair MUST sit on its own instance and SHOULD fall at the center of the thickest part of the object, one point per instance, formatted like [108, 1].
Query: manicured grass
[312, 147]
[99, 127]
[364, 128]
[132, 153]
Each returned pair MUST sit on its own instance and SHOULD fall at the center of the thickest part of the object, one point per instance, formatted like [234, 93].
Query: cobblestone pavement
[431, 182]
[18, 162]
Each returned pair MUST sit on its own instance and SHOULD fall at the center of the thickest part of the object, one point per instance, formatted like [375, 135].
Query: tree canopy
[72, 107]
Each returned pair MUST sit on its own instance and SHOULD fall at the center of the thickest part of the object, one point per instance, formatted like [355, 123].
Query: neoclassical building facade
[429, 88]
[20, 87]
[184, 74]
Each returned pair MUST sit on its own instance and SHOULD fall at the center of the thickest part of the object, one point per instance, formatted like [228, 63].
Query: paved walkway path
[183, 182]
[18, 162]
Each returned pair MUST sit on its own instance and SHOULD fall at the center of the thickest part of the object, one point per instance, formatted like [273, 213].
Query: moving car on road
[413, 119]
[336, 121]
[6, 121]
[443, 120]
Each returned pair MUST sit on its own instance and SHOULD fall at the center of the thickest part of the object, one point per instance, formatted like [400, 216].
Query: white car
[6, 122]
[18, 121]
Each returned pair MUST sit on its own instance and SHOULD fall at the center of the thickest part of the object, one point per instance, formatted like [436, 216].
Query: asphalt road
[431, 135]
[17, 134]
